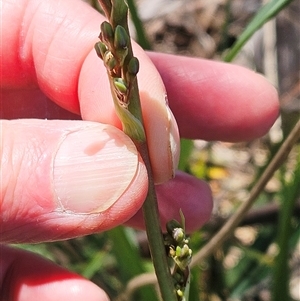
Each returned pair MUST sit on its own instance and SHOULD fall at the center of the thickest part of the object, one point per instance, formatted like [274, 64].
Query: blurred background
[261, 261]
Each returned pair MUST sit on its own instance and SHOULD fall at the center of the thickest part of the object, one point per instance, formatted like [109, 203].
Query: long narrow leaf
[139, 28]
[266, 12]
[186, 147]
[130, 263]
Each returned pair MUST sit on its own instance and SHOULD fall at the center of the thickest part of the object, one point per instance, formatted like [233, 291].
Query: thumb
[27, 276]
[62, 179]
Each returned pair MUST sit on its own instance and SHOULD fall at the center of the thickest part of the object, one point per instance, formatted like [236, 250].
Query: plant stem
[229, 226]
[116, 51]
[153, 229]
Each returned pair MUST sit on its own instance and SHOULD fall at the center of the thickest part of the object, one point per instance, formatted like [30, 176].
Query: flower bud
[107, 32]
[121, 38]
[133, 66]
[171, 225]
[120, 85]
[178, 251]
[185, 251]
[178, 235]
[100, 49]
[179, 293]
[109, 60]
[172, 252]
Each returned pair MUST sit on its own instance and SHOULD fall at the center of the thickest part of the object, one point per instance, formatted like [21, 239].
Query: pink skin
[47, 282]
[47, 55]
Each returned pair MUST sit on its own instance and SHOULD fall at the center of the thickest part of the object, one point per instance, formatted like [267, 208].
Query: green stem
[155, 238]
[131, 117]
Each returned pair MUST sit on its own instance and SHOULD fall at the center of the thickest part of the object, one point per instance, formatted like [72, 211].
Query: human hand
[83, 166]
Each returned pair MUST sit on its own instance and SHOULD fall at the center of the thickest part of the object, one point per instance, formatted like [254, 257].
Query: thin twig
[137, 282]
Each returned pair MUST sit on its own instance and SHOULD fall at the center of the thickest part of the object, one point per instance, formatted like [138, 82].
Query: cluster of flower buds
[178, 249]
[114, 48]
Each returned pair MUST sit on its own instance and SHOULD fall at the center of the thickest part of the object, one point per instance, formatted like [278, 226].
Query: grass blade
[129, 261]
[139, 28]
[266, 12]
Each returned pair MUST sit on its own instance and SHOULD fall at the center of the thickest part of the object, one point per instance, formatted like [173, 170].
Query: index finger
[50, 45]
[215, 100]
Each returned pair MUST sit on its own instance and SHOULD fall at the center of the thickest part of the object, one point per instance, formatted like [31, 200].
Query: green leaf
[251, 268]
[186, 147]
[266, 12]
[94, 265]
[130, 263]
[139, 28]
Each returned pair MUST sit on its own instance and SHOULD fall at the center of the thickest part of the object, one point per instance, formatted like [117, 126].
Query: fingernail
[174, 139]
[92, 168]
